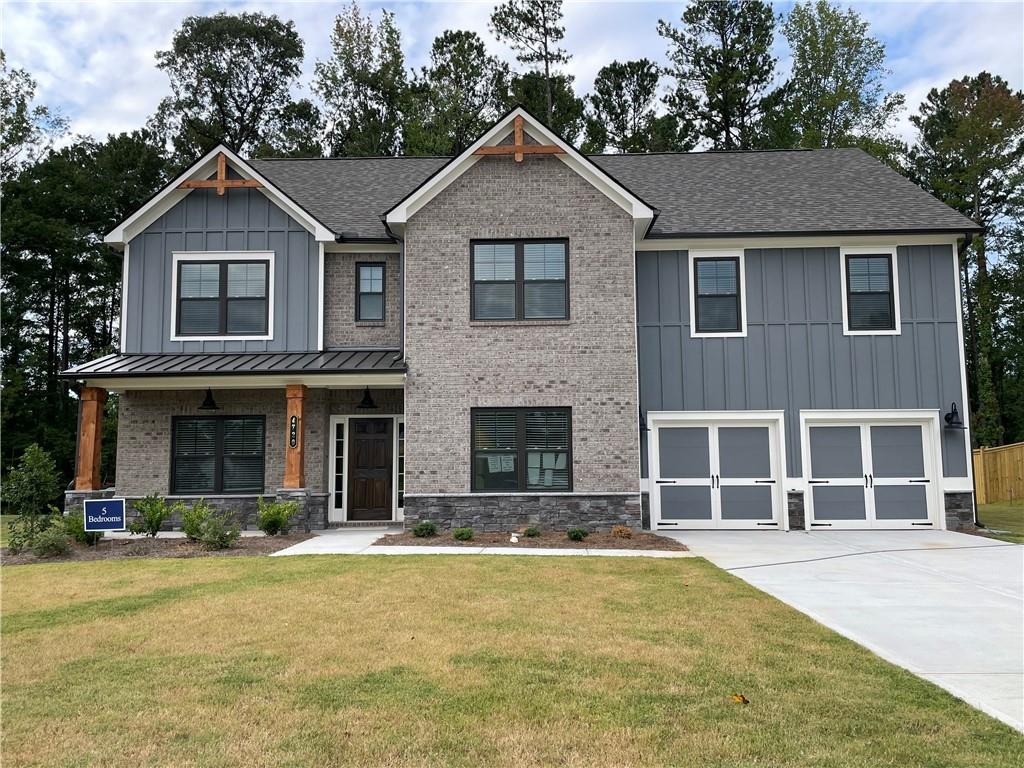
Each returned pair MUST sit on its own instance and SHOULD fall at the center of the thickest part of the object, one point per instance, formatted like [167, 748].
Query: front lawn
[1005, 519]
[439, 660]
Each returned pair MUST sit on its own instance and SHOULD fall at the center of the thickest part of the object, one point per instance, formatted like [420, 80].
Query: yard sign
[104, 515]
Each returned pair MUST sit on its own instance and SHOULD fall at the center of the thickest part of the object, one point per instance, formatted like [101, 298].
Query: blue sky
[94, 60]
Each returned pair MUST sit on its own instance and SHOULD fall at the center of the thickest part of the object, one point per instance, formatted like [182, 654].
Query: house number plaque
[293, 432]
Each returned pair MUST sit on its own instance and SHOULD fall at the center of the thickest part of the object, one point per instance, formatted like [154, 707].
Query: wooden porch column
[294, 451]
[90, 438]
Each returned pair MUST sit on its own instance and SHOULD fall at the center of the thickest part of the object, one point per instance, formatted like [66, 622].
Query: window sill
[515, 323]
[370, 324]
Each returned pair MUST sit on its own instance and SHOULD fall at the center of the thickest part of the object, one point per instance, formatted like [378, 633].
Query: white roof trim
[171, 195]
[642, 214]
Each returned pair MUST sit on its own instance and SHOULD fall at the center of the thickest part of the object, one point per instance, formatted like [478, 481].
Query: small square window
[716, 295]
[222, 298]
[869, 293]
[520, 280]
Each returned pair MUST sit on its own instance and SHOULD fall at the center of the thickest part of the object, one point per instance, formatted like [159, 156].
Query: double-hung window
[521, 449]
[217, 454]
[222, 298]
[520, 280]
[716, 305]
[370, 292]
[869, 293]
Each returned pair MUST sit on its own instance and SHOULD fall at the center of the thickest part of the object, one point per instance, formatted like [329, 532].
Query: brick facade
[587, 362]
[340, 326]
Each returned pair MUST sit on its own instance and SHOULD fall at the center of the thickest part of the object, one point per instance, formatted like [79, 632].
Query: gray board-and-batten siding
[795, 355]
[244, 220]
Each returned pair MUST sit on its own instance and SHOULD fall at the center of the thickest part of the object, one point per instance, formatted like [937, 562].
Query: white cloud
[95, 60]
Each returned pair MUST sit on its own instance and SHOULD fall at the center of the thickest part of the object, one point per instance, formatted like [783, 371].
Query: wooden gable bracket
[222, 181]
[518, 148]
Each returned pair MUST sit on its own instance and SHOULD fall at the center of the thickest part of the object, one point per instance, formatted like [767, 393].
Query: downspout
[960, 251]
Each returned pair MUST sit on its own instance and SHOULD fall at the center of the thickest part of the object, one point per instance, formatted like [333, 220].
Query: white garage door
[870, 475]
[714, 475]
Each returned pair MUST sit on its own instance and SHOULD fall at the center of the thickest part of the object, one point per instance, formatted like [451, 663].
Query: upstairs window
[217, 454]
[369, 292]
[869, 293]
[520, 280]
[222, 298]
[521, 449]
[716, 307]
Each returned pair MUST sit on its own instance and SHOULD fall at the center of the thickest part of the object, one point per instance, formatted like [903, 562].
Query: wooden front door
[370, 469]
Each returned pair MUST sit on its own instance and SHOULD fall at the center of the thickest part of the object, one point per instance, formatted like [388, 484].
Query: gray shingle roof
[697, 193]
[831, 190]
[233, 363]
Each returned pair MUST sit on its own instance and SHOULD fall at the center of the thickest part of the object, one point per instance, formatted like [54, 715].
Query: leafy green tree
[457, 97]
[297, 132]
[837, 91]
[622, 110]
[970, 154]
[27, 130]
[33, 485]
[723, 66]
[569, 114]
[534, 29]
[231, 79]
[363, 85]
[1007, 282]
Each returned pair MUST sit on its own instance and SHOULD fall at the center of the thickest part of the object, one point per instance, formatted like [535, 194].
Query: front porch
[332, 442]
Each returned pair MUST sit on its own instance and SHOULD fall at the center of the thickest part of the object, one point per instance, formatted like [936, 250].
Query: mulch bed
[547, 539]
[138, 546]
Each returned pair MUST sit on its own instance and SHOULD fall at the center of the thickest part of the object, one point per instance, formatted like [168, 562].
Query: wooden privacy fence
[999, 473]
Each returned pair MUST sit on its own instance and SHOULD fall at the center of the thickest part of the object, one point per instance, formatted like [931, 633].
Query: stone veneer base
[506, 513]
[960, 511]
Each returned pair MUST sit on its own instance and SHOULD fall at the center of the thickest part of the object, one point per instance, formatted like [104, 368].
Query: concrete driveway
[947, 606]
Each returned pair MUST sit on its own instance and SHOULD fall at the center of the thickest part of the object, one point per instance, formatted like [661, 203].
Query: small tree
[33, 484]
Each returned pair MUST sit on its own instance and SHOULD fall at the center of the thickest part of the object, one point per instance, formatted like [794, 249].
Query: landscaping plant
[193, 518]
[622, 532]
[74, 526]
[532, 531]
[577, 534]
[27, 492]
[52, 542]
[462, 534]
[153, 511]
[424, 529]
[273, 517]
[219, 531]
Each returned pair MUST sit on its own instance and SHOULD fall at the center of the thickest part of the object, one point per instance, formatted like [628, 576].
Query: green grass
[462, 661]
[1006, 518]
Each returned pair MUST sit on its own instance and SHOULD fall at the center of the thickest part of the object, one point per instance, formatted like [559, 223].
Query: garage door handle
[664, 482]
[818, 482]
[764, 481]
[920, 481]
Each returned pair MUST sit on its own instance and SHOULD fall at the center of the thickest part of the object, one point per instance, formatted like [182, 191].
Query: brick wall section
[587, 362]
[144, 431]
[340, 326]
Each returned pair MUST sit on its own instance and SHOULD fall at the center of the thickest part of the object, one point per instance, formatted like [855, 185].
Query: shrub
[622, 532]
[273, 517]
[192, 519]
[425, 529]
[462, 534]
[32, 485]
[532, 531]
[577, 534]
[74, 526]
[219, 531]
[23, 531]
[153, 511]
[52, 542]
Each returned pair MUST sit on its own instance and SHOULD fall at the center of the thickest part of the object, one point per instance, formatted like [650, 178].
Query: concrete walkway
[948, 607]
[359, 541]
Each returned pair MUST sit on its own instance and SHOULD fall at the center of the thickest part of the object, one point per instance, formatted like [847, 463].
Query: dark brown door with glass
[370, 469]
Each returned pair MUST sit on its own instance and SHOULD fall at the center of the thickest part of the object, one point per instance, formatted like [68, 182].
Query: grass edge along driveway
[462, 661]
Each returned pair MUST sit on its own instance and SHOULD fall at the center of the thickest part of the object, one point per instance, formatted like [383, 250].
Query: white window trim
[884, 250]
[692, 299]
[179, 256]
[336, 515]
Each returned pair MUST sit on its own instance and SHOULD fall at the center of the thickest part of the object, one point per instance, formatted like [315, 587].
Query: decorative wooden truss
[222, 181]
[518, 148]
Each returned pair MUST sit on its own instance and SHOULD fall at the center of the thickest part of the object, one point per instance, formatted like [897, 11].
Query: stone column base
[74, 500]
[312, 514]
[795, 510]
[960, 511]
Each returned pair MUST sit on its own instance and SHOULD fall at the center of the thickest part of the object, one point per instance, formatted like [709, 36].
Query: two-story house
[523, 334]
